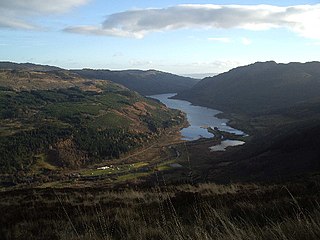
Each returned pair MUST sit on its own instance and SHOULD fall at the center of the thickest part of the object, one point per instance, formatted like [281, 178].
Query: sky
[177, 36]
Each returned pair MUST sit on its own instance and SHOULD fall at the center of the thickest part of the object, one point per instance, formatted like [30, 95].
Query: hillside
[27, 66]
[259, 87]
[278, 106]
[204, 211]
[57, 129]
[53, 120]
[144, 82]
[25, 79]
[284, 153]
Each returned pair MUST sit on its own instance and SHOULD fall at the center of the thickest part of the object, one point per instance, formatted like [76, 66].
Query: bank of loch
[200, 119]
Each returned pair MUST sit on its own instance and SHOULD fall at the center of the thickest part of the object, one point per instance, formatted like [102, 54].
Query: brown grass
[205, 211]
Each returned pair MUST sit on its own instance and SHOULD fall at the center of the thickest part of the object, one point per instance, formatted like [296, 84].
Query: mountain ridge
[258, 86]
[146, 82]
[27, 66]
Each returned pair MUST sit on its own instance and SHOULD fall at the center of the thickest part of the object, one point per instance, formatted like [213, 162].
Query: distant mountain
[27, 66]
[199, 75]
[262, 86]
[145, 82]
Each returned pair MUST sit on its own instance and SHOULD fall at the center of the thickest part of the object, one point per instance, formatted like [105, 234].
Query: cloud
[246, 41]
[314, 44]
[301, 19]
[103, 32]
[9, 22]
[15, 14]
[243, 40]
[220, 39]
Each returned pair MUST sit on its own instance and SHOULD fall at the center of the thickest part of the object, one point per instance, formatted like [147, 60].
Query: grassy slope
[205, 211]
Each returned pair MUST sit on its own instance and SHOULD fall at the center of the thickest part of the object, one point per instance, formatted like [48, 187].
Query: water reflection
[198, 117]
[224, 144]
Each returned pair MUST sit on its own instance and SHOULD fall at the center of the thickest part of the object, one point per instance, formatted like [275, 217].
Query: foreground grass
[205, 211]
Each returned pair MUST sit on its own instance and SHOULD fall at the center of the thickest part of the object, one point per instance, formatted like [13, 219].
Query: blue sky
[175, 36]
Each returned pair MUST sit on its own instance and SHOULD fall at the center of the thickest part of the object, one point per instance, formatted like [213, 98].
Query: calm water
[198, 117]
[224, 144]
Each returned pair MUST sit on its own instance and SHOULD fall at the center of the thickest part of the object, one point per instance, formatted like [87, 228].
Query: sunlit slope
[67, 121]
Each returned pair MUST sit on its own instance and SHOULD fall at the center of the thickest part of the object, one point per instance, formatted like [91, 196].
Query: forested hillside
[59, 119]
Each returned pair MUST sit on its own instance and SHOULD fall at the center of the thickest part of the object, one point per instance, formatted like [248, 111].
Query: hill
[53, 120]
[144, 82]
[278, 105]
[54, 124]
[281, 155]
[257, 88]
[27, 66]
[25, 79]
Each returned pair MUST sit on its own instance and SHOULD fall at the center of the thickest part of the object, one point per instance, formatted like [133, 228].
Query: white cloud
[246, 41]
[92, 30]
[220, 39]
[301, 19]
[15, 14]
[314, 44]
[10, 22]
[40, 6]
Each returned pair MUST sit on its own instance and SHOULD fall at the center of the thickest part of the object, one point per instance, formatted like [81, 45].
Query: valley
[130, 138]
[159, 120]
[61, 121]
[91, 155]
[37, 97]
